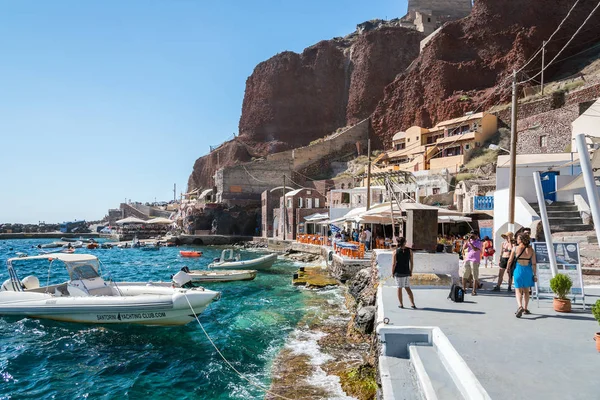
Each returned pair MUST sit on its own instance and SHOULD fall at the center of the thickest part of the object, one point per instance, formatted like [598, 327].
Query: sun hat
[507, 234]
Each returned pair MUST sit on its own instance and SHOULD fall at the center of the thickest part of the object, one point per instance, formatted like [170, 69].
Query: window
[317, 205]
[308, 203]
[308, 192]
[300, 202]
[408, 140]
[289, 203]
[436, 190]
[467, 146]
[342, 185]
[544, 141]
[428, 19]
[359, 199]
[345, 198]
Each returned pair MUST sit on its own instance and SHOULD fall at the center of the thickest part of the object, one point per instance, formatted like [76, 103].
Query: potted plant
[596, 312]
[561, 285]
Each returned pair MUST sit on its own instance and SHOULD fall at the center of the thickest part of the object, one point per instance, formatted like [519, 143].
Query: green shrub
[464, 177]
[561, 285]
[596, 310]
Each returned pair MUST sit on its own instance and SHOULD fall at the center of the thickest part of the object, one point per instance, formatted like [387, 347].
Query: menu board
[567, 262]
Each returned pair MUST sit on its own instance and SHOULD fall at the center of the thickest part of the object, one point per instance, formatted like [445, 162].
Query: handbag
[513, 264]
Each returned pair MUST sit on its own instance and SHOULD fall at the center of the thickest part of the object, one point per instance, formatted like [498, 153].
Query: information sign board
[568, 262]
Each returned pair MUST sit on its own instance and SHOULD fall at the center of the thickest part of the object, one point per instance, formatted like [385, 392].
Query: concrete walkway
[546, 355]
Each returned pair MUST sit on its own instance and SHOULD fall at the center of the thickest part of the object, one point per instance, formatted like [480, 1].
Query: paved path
[545, 355]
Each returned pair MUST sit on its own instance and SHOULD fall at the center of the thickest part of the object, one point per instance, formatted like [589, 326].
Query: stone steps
[434, 378]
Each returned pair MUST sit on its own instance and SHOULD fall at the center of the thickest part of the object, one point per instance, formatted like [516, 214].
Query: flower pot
[597, 339]
[561, 305]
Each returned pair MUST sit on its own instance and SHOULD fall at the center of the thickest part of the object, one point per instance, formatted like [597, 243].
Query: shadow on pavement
[452, 311]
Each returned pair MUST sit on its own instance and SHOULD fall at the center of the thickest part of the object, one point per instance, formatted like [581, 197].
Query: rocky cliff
[468, 64]
[292, 99]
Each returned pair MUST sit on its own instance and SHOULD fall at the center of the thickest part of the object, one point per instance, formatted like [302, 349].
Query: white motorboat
[87, 298]
[185, 277]
[230, 261]
[73, 245]
[51, 245]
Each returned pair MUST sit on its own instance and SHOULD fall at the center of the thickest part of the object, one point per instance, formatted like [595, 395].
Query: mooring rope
[257, 385]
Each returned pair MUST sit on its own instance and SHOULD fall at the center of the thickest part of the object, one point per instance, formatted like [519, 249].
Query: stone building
[299, 203]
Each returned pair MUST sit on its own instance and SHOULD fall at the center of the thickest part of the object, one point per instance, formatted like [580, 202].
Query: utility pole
[174, 192]
[543, 54]
[513, 156]
[369, 170]
[284, 210]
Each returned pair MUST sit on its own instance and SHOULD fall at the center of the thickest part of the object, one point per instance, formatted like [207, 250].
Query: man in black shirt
[402, 267]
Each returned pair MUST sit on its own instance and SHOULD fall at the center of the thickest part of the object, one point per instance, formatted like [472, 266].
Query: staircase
[563, 217]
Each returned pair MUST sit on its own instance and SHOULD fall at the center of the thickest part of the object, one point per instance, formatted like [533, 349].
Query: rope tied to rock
[256, 385]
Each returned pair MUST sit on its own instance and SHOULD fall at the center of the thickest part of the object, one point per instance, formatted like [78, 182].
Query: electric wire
[551, 36]
[565, 46]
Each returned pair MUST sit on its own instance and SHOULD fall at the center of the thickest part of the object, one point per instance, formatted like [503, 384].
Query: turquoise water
[46, 359]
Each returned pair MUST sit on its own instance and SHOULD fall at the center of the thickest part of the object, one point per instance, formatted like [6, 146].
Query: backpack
[457, 294]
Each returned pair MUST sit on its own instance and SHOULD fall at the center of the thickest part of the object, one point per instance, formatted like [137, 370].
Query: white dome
[399, 136]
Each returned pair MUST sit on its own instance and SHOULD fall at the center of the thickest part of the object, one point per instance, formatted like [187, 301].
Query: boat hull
[141, 304]
[222, 276]
[261, 263]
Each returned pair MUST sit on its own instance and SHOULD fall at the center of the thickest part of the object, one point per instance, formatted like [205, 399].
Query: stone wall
[555, 125]
[243, 184]
[451, 9]
[304, 157]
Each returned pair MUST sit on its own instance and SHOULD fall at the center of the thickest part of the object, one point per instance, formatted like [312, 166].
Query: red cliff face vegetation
[467, 66]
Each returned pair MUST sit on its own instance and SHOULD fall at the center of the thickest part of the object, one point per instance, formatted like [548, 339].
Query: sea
[250, 324]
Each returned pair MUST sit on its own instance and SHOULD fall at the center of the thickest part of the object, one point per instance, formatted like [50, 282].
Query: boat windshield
[83, 269]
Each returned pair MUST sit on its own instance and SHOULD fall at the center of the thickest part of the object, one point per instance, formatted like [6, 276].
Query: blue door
[483, 232]
[549, 184]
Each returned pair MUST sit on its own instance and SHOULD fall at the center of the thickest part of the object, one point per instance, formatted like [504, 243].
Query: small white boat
[51, 245]
[75, 245]
[185, 277]
[87, 298]
[230, 261]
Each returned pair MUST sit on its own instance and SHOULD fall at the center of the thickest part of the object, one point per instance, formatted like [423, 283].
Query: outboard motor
[183, 280]
[7, 286]
[30, 282]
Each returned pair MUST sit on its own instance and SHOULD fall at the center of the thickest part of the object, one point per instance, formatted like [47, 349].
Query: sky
[103, 101]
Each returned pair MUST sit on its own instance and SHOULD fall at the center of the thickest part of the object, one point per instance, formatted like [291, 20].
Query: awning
[160, 220]
[316, 217]
[453, 218]
[578, 182]
[130, 220]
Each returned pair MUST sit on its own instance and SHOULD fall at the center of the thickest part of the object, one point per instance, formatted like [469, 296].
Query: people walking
[524, 274]
[368, 236]
[362, 237]
[402, 268]
[488, 251]
[472, 261]
[506, 249]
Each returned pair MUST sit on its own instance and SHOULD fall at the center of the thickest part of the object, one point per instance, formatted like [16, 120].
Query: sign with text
[567, 261]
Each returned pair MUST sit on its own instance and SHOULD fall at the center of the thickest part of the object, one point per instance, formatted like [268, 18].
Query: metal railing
[483, 203]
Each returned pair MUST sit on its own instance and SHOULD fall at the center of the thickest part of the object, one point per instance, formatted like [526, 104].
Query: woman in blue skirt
[524, 273]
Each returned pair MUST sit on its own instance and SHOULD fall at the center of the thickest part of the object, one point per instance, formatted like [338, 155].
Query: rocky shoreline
[332, 354]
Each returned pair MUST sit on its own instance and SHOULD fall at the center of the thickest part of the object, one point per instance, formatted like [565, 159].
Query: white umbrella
[130, 220]
[159, 220]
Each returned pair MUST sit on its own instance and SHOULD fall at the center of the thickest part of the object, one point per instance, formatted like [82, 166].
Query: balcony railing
[483, 203]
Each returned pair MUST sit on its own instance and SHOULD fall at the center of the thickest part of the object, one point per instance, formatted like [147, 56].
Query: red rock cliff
[467, 65]
[292, 99]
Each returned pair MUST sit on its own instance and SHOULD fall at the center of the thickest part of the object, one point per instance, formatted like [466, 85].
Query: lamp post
[513, 156]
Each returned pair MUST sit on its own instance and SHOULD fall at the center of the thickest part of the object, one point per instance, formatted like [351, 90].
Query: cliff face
[468, 64]
[292, 99]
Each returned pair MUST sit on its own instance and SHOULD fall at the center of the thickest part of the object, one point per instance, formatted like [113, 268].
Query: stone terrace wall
[243, 184]
[555, 124]
[303, 157]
